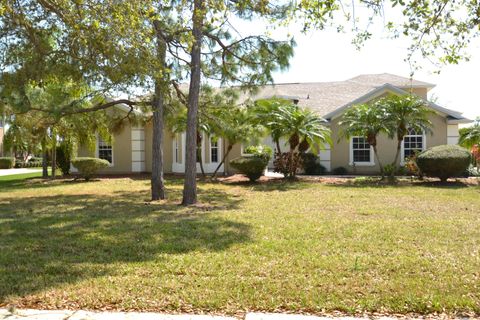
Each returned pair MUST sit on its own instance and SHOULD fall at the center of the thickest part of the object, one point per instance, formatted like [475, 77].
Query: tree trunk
[223, 161]
[200, 162]
[199, 153]
[397, 155]
[378, 160]
[54, 154]
[157, 181]
[277, 142]
[190, 184]
[44, 158]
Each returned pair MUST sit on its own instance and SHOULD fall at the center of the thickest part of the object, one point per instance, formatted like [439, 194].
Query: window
[213, 150]
[105, 150]
[177, 151]
[360, 152]
[413, 142]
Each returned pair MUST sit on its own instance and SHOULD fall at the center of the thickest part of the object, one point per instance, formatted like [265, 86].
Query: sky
[326, 55]
[329, 56]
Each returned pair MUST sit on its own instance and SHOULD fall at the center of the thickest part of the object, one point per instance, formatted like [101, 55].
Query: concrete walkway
[9, 172]
[91, 315]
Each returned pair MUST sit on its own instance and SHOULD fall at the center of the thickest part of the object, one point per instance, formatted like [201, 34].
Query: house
[2, 135]
[131, 149]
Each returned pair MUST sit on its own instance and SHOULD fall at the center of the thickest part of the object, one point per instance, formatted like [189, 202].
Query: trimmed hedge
[444, 161]
[252, 167]
[261, 151]
[29, 164]
[311, 164]
[87, 167]
[7, 162]
[340, 171]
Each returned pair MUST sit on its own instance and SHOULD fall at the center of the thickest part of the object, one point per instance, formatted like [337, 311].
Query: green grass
[304, 247]
[21, 176]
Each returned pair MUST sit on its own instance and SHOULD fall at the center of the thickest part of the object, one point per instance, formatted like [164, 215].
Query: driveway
[8, 172]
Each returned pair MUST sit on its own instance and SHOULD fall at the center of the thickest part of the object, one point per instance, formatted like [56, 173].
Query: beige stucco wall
[340, 152]
[167, 149]
[122, 151]
[234, 153]
[421, 92]
[1, 141]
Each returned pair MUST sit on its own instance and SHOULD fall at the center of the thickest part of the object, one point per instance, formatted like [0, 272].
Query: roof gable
[330, 98]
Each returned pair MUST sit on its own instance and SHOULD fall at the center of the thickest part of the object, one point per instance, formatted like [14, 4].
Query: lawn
[21, 176]
[305, 247]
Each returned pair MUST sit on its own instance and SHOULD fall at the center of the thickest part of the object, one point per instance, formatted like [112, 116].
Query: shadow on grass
[52, 240]
[377, 183]
[37, 182]
[271, 185]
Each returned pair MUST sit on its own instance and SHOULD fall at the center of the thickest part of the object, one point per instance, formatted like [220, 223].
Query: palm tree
[470, 139]
[470, 136]
[265, 110]
[366, 120]
[303, 128]
[235, 125]
[404, 113]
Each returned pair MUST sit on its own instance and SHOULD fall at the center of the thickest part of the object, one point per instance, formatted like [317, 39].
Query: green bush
[261, 151]
[444, 161]
[252, 167]
[340, 171]
[472, 172]
[311, 164]
[87, 167]
[7, 162]
[33, 164]
[19, 163]
[64, 157]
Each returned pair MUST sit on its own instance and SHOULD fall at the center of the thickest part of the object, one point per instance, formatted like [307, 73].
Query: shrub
[444, 161]
[286, 163]
[340, 171]
[389, 169]
[252, 167]
[411, 166]
[19, 163]
[7, 162]
[261, 151]
[64, 155]
[87, 167]
[33, 164]
[311, 164]
[472, 172]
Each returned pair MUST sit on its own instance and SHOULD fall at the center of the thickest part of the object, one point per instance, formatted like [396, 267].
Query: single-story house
[2, 135]
[131, 149]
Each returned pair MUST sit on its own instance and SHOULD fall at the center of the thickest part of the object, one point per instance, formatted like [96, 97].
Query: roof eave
[459, 121]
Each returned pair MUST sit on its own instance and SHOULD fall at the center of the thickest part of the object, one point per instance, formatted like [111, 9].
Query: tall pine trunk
[157, 180]
[190, 185]
[199, 153]
[44, 158]
[54, 154]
